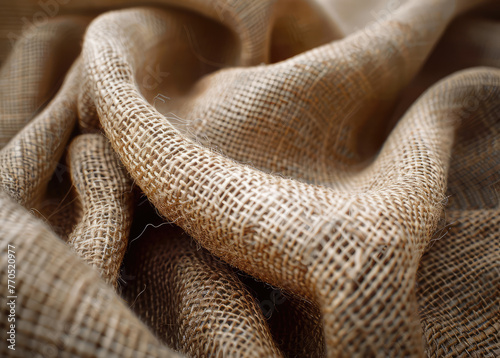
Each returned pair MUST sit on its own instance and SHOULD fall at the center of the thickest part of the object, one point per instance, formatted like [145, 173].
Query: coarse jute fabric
[63, 308]
[175, 283]
[104, 194]
[253, 178]
[29, 160]
[38, 61]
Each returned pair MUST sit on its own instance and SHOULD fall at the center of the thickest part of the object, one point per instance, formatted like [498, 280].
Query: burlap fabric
[189, 282]
[104, 194]
[339, 178]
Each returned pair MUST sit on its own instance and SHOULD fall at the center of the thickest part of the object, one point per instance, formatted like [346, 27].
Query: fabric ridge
[268, 178]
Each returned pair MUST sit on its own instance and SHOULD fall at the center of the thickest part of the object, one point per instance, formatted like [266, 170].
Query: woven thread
[315, 193]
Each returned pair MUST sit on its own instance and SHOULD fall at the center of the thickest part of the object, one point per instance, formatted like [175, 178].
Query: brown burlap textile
[30, 158]
[319, 187]
[104, 194]
[63, 308]
[187, 283]
[27, 79]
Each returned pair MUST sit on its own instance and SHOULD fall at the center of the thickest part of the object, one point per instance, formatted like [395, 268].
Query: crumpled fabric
[288, 178]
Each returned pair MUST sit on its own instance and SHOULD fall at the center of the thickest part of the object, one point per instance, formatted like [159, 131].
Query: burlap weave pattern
[449, 292]
[175, 284]
[351, 169]
[39, 60]
[30, 158]
[105, 197]
[71, 318]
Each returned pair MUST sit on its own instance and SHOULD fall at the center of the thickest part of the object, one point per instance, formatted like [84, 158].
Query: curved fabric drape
[251, 178]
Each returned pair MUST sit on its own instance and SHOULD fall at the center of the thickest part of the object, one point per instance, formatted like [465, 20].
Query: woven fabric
[30, 158]
[104, 194]
[173, 284]
[27, 79]
[252, 178]
[72, 317]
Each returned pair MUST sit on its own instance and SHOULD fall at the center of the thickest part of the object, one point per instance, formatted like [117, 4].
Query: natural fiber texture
[28, 78]
[192, 300]
[63, 308]
[30, 158]
[237, 212]
[458, 287]
[358, 175]
[104, 194]
[459, 277]
[296, 324]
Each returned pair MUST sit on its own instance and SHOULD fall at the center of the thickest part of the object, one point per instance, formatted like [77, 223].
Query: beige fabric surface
[261, 178]
[104, 193]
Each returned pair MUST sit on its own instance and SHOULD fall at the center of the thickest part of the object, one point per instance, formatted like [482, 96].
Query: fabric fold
[290, 190]
[29, 77]
[103, 192]
[315, 241]
[30, 158]
[194, 302]
[62, 307]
